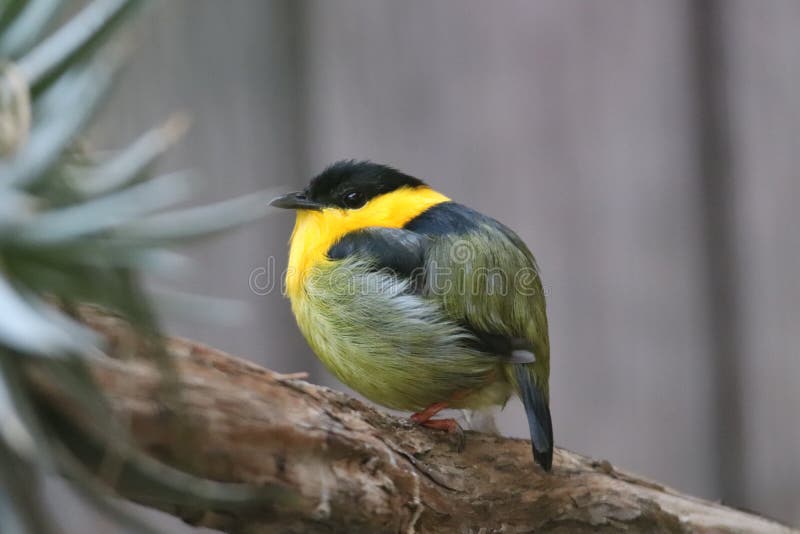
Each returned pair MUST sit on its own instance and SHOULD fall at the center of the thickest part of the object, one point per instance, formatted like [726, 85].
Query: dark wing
[397, 250]
[486, 277]
[405, 253]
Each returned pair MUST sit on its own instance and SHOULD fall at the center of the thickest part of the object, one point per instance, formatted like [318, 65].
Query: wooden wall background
[649, 152]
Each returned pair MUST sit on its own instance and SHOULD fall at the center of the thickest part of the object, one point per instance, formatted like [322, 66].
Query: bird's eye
[353, 199]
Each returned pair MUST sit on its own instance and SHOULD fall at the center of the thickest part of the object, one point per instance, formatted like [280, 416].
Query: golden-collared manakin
[415, 301]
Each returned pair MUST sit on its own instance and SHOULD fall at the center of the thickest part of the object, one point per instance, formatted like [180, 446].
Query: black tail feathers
[538, 412]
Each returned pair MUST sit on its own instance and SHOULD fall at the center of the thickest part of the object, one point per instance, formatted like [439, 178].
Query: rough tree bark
[354, 469]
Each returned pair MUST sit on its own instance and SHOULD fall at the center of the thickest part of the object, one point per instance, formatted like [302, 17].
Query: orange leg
[424, 416]
[450, 425]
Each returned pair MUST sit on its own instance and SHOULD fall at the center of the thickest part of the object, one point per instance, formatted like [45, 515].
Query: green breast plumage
[389, 343]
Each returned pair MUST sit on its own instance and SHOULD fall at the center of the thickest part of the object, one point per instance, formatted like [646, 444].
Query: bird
[415, 301]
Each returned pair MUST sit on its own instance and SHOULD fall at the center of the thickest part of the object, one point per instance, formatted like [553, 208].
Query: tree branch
[354, 469]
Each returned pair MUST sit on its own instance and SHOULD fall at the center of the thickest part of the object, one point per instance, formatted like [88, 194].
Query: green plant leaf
[65, 109]
[199, 221]
[130, 164]
[20, 509]
[74, 40]
[34, 328]
[28, 26]
[13, 430]
[9, 10]
[95, 216]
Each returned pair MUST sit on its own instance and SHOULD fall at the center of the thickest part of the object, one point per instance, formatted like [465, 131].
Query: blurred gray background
[648, 152]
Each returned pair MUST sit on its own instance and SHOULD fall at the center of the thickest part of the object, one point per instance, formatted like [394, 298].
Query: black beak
[295, 201]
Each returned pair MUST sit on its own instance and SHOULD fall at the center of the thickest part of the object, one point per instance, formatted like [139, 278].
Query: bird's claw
[450, 426]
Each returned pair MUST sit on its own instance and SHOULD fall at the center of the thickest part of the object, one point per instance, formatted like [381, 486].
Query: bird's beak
[295, 201]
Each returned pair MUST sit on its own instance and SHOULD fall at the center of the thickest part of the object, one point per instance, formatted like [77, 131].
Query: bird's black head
[347, 184]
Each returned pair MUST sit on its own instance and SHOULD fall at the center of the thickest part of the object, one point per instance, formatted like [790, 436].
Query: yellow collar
[315, 232]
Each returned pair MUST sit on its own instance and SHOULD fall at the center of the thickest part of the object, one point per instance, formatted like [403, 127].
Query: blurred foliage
[75, 228]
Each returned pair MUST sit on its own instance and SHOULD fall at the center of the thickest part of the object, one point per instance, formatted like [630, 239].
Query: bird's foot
[450, 426]
[425, 415]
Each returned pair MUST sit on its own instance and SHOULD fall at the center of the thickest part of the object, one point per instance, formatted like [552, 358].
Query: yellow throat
[317, 231]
